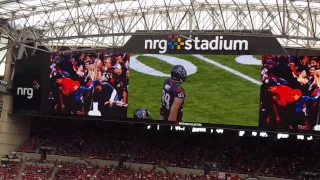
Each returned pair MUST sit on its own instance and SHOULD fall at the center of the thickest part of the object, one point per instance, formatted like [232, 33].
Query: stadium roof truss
[110, 23]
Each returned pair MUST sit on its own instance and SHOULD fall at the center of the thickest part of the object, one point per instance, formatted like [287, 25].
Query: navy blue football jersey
[170, 91]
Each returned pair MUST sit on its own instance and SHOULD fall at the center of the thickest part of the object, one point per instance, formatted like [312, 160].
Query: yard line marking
[136, 65]
[235, 72]
[248, 60]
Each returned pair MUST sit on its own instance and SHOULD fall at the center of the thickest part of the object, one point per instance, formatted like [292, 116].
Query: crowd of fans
[79, 171]
[79, 80]
[112, 172]
[149, 147]
[32, 172]
[153, 174]
[247, 155]
[85, 171]
[9, 170]
[31, 145]
[289, 160]
[290, 92]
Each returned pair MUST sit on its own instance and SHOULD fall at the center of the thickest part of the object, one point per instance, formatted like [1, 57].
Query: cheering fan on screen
[66, 89]
[173, 95]
[300, 120]
[106, 96]
[291, 99]
[121, 69]
[89, 84]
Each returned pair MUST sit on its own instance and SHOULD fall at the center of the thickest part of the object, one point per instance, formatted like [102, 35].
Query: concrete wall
[102, 163]
[185, 171]
[136, 166]
[272, 178]
[40, 164]
[14, 130]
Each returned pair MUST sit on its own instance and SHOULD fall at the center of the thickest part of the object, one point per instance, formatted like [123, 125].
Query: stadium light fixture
[219, 131]
[263, 134]
[241, 133]
[300, 137]
[194, 129]
[179, 128]
[283, 136]
[254, 133]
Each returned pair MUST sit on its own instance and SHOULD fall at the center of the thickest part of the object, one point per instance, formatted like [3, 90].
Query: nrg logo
[24, 91]
[175, 42]
[215, 43]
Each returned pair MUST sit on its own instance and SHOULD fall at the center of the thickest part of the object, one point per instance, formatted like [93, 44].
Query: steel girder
[110, 23]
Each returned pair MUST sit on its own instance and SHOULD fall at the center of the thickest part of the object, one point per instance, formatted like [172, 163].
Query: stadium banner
[202, 44]
[289, 97]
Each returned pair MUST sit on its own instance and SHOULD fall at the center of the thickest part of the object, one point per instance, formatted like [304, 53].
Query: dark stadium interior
[163, 148]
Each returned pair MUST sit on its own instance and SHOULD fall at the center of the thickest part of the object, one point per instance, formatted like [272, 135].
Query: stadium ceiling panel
[110, 23]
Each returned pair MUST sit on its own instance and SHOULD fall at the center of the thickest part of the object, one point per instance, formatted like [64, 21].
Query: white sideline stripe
[235, 72]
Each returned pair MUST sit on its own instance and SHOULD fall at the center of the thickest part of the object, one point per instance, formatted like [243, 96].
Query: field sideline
[214, 95]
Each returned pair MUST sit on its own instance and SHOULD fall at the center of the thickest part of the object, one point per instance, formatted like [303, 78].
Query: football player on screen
[173, 95]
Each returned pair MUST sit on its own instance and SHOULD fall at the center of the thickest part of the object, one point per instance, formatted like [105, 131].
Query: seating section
[154, 175]
[9, 170]
[74, 171]
[246, 155]
[111, 173]
[32, 172]
[288, 160]
[31, 145]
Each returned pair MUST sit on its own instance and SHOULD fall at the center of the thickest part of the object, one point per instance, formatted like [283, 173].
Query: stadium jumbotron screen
[178, 88]
[196, 88]
[290, 92]
[178, 81]
[89, 84]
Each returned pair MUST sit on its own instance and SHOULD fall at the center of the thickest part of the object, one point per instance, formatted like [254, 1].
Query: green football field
[213, 95]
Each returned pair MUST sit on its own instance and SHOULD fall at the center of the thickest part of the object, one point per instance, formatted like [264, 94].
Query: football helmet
[178, 73]
[142, 113]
